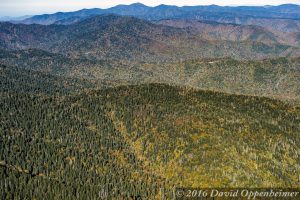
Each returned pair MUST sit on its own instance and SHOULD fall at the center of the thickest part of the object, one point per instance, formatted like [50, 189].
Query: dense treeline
[139, 142]
[14, 79]
[66, 149]
[210, 139]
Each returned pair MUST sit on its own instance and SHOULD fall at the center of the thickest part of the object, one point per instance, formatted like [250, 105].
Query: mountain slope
[140, 141]
[23, 36]
[262, 30]
[274, 25]
[183, 133]
[276, 78]
[48, 19]
[128, 38]
[283, 20]
[221, 31]
[19, 80]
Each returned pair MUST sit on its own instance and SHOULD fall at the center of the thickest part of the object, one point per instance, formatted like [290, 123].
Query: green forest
[139, 141]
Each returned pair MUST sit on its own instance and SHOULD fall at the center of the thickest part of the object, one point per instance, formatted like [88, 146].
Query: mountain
[141, 140]
[276, 78]
[115, 50]
[223, 31]
[7, 18]
[275, 25]
[288, 11]
[72, 20]
[22, 36]
[286, 8]
[129, 38]
[283, 20]
[47, 19]
[236, 32]
[136, 9]
[20, 80]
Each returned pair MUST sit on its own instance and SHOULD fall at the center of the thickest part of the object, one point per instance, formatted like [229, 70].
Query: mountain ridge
[162, 11]
[130, 38]
[274, 78]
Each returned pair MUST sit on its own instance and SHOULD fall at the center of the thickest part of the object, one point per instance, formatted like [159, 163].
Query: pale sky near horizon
[33, 7]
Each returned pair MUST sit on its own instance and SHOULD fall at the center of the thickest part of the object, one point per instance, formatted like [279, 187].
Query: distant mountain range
[212, 12]
[129, 38]
[283, 21]
[116, 49]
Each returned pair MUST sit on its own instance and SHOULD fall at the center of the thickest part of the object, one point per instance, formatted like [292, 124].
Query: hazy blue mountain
[289, 11]
[47, 19]
[8, 18]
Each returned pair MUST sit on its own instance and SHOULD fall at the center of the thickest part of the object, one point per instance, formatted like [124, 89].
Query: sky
[32, 7]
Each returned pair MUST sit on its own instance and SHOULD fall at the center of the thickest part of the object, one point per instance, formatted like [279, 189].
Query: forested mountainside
[127, 38]
[140, 141]
[264, 33]
[18, 80]
[276, 78]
